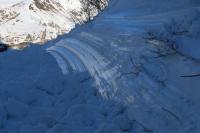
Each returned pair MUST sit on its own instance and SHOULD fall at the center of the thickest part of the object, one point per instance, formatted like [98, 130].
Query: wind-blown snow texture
[134, 69]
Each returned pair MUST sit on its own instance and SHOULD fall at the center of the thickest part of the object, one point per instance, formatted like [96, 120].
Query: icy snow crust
[134, 69]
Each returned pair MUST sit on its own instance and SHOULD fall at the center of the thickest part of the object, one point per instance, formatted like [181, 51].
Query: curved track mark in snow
[82, 57]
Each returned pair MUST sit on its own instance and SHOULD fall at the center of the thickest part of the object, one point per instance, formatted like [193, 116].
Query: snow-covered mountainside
[144, 54]
[134, 69]
[36, 21]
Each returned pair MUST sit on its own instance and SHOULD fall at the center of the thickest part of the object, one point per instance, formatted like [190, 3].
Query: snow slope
[147, 59]
[131, 70]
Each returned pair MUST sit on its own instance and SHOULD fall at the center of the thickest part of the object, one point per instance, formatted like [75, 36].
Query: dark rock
[3, 47]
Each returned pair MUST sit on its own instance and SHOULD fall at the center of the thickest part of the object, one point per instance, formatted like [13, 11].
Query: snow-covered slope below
[144, 55]
[36, 21]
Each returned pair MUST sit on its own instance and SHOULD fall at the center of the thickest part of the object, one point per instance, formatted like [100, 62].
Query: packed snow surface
[134, 69]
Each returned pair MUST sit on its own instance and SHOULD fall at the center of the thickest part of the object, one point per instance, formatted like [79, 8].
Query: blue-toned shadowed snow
[134, 69]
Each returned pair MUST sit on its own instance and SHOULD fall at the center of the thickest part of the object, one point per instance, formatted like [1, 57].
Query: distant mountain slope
[36, 21]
